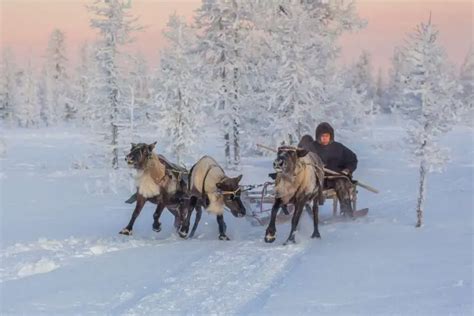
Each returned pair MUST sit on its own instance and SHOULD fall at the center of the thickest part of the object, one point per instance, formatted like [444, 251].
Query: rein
[164, 174]
[203, 190]
[230, 192]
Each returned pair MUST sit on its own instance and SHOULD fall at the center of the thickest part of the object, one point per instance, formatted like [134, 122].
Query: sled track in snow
[223, 282]
[45, 255]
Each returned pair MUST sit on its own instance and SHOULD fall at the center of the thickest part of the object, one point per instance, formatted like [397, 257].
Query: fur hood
[322, 129]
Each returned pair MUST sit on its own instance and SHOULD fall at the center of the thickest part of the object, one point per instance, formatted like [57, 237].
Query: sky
[26, 24]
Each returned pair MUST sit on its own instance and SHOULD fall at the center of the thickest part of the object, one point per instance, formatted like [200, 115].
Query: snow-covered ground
[61, 252]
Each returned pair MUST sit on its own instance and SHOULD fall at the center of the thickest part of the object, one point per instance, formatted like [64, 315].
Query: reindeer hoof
[182, 234]
[316, 235]
[126, 231]
[290, 240]
[270, 238]
[157, 228]
[223, 237]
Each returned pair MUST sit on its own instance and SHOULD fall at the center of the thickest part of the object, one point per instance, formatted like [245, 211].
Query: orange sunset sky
[26, 24]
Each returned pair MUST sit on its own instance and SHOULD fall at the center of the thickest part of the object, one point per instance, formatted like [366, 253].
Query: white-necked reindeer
[158, 183]
[299, 180]
[210, 187]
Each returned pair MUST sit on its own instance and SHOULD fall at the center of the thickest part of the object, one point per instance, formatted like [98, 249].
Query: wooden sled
[260, 202]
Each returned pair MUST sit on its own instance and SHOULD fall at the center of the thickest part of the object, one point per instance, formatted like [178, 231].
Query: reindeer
[209, 186]
[299, 180]
[159, 182]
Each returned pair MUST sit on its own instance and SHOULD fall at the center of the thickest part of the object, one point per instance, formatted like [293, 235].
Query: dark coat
[334, 155]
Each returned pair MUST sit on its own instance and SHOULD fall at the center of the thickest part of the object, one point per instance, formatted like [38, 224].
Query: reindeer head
[138, 155]
[230, 189]
[287, 158]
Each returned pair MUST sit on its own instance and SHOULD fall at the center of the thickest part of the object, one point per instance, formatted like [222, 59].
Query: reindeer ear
[238, 178]
[300, 152]
[151, 146]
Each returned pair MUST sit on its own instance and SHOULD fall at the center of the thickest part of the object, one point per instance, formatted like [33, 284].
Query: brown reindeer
[157, 182]
[299, 180]
[210, 187]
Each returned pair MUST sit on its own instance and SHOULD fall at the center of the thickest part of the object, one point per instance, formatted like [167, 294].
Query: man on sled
[336, 157]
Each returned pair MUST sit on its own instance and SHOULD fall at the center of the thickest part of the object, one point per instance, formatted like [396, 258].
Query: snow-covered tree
[380, 97]
[7, 86]
[258, 69]
[304, 41]
[179, 98]
[360, 77]
[466, 79]
[140, 88]
[57, 104]
[140, 77]
[27, 110]
[428, 102]
[298, 79]
[395, 87]
[345, 108]
[223, 28]
[112, 19]
[85, 74]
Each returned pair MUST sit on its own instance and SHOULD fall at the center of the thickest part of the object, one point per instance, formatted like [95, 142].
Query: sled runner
[259, 199]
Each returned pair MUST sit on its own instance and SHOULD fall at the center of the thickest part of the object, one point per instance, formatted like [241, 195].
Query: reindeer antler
[267, 148]
[288, 148]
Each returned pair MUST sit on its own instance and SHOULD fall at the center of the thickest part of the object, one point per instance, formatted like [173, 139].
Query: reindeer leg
[138, 208]
[184, 229]
[222, 228]
[196, 220]
[180, 215]
[316, 233]
[177, 215]
[294, 222]
[343, 192]
[156, 217]
[271, 229]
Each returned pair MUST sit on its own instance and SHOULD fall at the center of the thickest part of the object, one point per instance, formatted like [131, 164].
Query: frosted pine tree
[223, 27]
[258, 68]
[466, 79]
[139, 81]
[85, 74]
[380, 97]
[112, 19]
[7, 86]
[344, 107]
[27, 110]
[395, 84]
[297, 81]
[428, 103]
[57, 103]
[360, 77]
[179, 98]
[304, 39]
